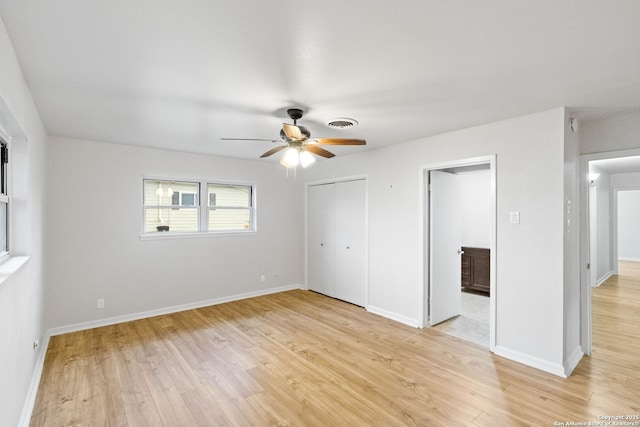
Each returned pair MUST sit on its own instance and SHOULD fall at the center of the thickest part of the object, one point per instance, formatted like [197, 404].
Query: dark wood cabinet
[476, 267]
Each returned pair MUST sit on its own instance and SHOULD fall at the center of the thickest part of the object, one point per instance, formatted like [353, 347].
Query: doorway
[609, 201]
[453, 224]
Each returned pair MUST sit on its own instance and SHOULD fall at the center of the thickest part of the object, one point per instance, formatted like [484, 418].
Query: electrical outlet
[263, 278]
[100, 303]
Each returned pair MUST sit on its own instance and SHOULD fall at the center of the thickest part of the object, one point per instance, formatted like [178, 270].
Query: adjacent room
[330, 213]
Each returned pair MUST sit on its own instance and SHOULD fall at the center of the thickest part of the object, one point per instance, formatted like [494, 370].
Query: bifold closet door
[320, 235]
[350, 239]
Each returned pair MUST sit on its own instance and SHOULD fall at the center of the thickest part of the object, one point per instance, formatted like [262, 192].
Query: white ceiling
[183, 74]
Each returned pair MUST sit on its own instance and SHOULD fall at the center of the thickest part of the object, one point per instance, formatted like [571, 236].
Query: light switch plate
[514, 217]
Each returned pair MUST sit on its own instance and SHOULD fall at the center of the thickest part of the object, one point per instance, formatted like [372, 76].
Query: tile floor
[473, 322]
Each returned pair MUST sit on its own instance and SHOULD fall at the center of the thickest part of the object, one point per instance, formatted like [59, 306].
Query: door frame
[424, 232]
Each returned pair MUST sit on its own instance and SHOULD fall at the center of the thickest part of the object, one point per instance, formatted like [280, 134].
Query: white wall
[571, 299]
[530, 172]
[475, 201]
[629, 225]
[94, 246]
[619, 132]
[629, 180]
[21, 294]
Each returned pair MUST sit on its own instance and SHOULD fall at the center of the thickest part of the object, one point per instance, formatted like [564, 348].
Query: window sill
[196, 235]
[11, 266]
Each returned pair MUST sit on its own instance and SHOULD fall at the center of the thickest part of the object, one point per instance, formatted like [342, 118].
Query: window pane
[176, 219]
[188, 199]
[166, 193]
[230, 195]
[4, 159]
[229, 219]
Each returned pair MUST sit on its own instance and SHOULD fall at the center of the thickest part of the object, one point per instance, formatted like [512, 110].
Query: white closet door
[320, 229]
[350, 229]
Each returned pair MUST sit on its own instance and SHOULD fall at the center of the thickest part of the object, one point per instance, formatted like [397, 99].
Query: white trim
[196, 234]
[572, 361]
[603, 279]
[534, 362]
[394, 316]
[167, 310]
[32, 391]
[11, 266]
[623, 258]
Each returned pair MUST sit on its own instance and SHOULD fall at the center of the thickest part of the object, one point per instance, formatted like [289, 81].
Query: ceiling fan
[299, 144]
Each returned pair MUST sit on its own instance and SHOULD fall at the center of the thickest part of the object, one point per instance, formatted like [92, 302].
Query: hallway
[615, 305]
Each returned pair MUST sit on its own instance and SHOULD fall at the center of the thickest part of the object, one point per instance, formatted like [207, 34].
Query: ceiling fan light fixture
[306, 158]
[291, 158]
[342, 123]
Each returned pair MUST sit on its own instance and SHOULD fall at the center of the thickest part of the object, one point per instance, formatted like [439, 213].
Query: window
[230, 207]
[175, 206]
[4, 199]
[182, 198]
[164, 209]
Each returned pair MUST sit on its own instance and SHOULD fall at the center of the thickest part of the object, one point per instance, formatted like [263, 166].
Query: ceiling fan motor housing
[295, 113]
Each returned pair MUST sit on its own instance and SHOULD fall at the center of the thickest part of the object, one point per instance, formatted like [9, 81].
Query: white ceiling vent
[342, 123]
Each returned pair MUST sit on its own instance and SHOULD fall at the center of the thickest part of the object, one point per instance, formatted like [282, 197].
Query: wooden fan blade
[273, 151]
[248, 139]
[319, 151]
[292, 131]
[340, 141]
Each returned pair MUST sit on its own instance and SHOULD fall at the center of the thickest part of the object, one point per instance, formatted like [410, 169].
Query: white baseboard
[393, 316]
[534, 362]
[622, 258]
[166, 310]
[604, 278]
[572, 361]
[32, 392]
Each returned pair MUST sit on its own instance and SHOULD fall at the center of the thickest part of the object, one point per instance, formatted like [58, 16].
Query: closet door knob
[321, 244]
[348, 247]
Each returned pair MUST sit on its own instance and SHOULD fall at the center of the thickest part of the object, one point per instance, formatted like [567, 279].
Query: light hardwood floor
[301, 359]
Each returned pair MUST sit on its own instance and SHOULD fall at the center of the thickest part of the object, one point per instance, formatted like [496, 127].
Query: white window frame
[203, 206]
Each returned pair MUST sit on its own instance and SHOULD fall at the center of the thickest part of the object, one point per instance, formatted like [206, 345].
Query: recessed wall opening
[613, 253]
[459, 249]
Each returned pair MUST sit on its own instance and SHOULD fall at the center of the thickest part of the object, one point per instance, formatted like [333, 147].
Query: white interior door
[320, 238]
[444, 246]
[350, 264]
